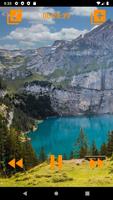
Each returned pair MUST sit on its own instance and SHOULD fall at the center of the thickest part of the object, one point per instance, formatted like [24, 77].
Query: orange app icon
[14, 17]
[98, 17]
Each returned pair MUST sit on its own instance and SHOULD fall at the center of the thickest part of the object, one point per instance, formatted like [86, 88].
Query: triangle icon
[25, 193]
[12, 163]
[98, 2]
[19, 163]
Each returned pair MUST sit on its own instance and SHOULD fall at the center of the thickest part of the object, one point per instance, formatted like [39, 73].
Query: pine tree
[94, 150]
[2, 84]
[71, 155]
[12, 147]
[42, 155]
[64, 156]
[15, 144]
[3, 143]
[103, 149]
[29, 156]
[81, 145]
[110, 144]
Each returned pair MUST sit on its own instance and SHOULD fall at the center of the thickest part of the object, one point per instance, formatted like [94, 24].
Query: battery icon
[107, 3]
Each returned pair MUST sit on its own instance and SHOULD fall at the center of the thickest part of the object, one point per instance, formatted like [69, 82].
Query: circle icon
[56, 193]
[22, 3]
[16, 3]
[28, 3]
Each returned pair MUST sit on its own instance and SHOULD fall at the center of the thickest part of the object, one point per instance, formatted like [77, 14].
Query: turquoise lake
[58, 135]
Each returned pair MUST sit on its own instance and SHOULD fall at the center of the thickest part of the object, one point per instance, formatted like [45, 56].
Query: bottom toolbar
[56, 193]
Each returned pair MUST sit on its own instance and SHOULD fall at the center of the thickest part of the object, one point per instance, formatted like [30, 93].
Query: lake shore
[23, 137]
[57, 135]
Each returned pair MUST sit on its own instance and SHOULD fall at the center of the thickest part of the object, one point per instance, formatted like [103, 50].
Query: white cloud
[82, 11]
[39, 33]
[9, 46]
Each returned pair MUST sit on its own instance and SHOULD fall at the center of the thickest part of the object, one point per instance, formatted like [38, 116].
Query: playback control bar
[37, 3]
[56, 193]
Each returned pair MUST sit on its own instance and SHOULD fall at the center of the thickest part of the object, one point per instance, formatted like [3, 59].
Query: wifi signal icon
[98, 2]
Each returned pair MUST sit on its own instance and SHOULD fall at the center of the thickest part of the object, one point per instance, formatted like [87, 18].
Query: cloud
[9, 46]
[40, 34]
[82, 11]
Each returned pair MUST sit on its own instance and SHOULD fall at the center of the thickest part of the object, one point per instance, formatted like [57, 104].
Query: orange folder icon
[98, 17]
[14, 16]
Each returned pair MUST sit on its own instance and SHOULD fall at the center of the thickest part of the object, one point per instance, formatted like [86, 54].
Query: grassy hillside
[72, 174]
[14, 85]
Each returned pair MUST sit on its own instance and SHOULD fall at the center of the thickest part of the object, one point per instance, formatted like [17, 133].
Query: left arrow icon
[12, 163]
[19, 163]
[25, 193]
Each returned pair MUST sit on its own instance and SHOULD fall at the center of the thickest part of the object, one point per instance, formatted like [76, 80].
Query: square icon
[98, 17]
[34, 3]
[87, 193]
[14, 16]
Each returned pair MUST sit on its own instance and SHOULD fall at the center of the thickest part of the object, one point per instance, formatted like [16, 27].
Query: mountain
[86, 53]
[80, 72]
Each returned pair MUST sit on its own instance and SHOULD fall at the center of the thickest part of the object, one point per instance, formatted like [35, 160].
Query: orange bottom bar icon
[52, 162]
[60, 162]
[100, 163]
[92, 163]
[13, 163]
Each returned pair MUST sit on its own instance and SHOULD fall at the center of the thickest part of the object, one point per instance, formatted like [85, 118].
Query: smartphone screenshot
[56, 99]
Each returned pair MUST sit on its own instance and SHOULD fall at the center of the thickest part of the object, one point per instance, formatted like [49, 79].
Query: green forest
[11, 143]
[36, 168]
[82, 147]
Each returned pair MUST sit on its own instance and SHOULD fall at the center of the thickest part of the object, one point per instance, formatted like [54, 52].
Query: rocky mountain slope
[80, 72]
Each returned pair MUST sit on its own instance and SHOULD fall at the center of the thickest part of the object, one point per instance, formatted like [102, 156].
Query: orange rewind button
[14, 16]
[13, 163]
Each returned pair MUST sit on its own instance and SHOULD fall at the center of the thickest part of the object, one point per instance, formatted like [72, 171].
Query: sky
[34, 31]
